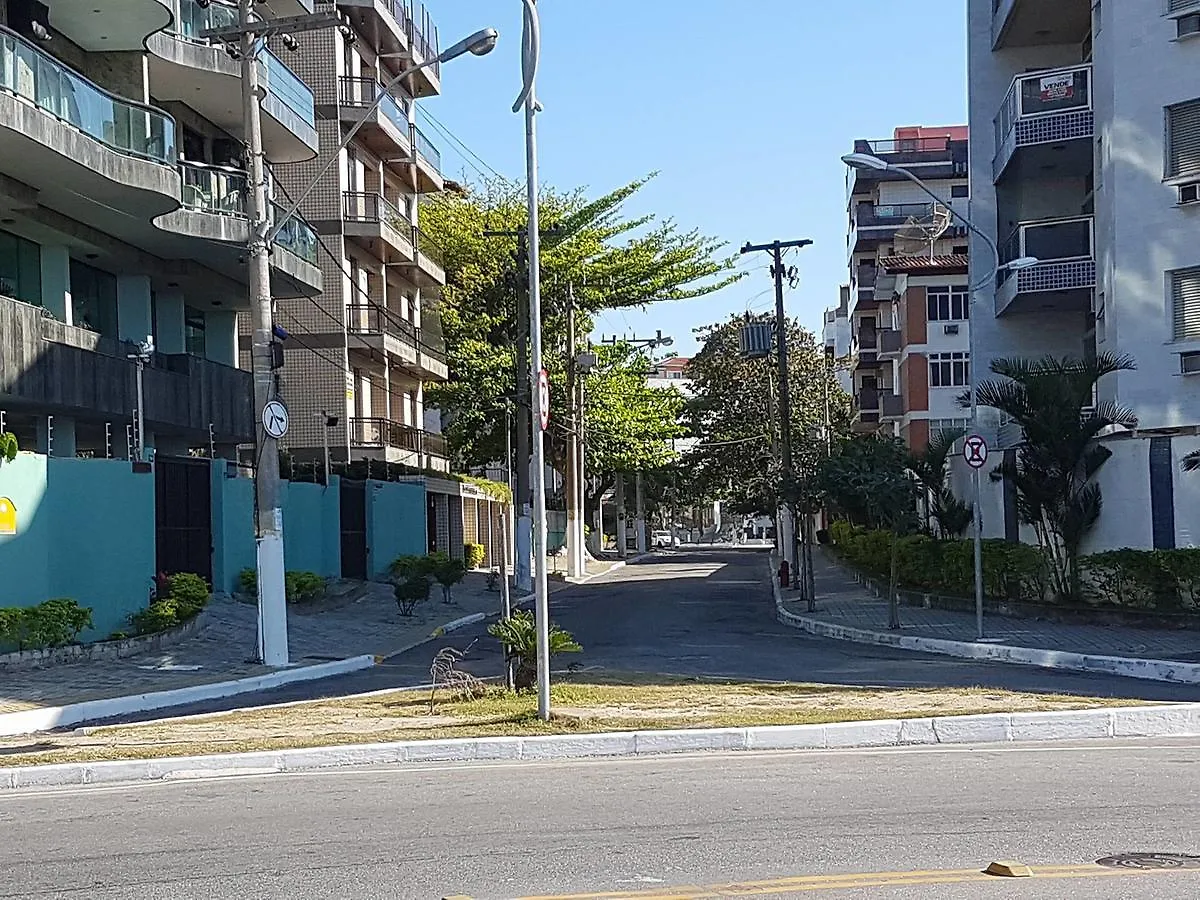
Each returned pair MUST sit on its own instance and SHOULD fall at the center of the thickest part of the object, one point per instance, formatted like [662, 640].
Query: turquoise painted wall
[232, 525]
[395, 523]
[24, 557]
[85, 530]
[312, 528]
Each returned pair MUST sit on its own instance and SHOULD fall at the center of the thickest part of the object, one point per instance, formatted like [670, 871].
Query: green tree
[952, 515]
[8, 447]
[596, 254]
[1051, 400]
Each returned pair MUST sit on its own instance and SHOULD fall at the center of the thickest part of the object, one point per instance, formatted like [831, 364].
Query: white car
[660, 539]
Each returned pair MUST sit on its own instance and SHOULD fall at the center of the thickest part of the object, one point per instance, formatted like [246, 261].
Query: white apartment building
[1087, 156]
[836, 335]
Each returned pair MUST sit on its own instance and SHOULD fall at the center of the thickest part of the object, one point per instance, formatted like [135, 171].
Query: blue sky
[744, 109]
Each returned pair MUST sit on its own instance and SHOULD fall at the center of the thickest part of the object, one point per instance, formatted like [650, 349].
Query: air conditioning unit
[1189, 363]
[950, 329]
[1189, 193]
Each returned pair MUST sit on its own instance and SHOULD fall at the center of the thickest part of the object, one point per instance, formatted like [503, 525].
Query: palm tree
[1051, 400]
[952, 515]
[1191, 462]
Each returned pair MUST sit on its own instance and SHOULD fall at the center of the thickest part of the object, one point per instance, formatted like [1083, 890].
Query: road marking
[841, 882]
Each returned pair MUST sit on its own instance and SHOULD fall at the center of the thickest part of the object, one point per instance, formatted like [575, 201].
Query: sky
[742, 108]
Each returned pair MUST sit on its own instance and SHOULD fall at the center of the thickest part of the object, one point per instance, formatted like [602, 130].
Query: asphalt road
[705, 612]
[786, 825]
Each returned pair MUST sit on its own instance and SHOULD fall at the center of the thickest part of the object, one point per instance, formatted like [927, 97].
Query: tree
[1051, 400]
[952, 515]
[518, 635]
[602, 259]
[8, 447]
[870, 481]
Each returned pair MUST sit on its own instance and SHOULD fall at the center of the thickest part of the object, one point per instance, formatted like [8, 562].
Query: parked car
[661, 539]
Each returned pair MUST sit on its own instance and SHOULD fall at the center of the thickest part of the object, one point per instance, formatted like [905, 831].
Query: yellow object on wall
[8, 516]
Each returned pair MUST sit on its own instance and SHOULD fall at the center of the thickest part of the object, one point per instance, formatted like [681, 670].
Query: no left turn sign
[975, 451]
[544, 398]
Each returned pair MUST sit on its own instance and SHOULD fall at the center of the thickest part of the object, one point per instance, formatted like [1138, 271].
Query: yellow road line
[805, 883]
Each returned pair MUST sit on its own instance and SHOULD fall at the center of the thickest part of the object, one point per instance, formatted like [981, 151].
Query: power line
[433, 120]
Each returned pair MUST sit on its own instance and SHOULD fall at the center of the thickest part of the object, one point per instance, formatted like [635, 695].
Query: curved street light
[869, 162]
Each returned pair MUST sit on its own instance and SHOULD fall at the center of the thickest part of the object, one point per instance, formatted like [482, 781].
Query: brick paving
[842, 601]
[363, 621]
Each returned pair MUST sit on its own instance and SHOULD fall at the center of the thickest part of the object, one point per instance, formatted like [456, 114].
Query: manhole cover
[1150, 861]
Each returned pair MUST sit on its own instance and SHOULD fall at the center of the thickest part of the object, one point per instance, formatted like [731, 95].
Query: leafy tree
[8, 447]
[598, 256]
[1051, 400]
[448, 572]
[952, 515]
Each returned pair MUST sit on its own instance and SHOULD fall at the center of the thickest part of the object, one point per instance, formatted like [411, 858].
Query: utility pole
[145, 351]
[776, 249]
[574, 485]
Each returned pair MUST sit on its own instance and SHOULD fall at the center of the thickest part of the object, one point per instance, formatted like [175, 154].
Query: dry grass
[582, 703]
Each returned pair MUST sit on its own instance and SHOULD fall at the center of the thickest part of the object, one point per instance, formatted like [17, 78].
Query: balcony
[938, 157]
[891, 406]
[891, 342]
[428, 164]
[57, 368]
[1064, 278]
[426, 269]
[383, 330]
[1031, 23]
[374, 218]
[864, 352]
[116, 153]
[386, 129]
[191, 69]
[214, 210]
[109, 25]
[423, 42]
[1046, 124]
[866, 412]
[400, 443]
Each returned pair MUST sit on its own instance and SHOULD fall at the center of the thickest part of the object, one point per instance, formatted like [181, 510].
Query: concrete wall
[311, 535]
[232, 527]
[395, 523]
[1124, 481]
[96, 514]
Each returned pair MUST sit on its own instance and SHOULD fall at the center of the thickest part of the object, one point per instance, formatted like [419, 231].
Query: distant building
[836, 336]
[671, 373]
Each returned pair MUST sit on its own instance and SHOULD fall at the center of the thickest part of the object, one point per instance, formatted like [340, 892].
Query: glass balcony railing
[1051, 240]
[874, 216]
[296, 236]
[426, 149]
[1037, 103]
[214, 189]
[362, 92]
[193, 18]
[121, 125]
[286, 85]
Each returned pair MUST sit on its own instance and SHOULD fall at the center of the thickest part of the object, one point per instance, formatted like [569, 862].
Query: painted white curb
[456, 624]
[621, 564]
[1123, 666]
[995, 728]
[45, 718]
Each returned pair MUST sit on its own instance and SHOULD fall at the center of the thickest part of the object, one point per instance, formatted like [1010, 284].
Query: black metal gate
[183, 516]
[431, 531]
[354, 529]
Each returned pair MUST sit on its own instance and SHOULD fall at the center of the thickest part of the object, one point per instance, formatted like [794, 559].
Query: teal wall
[311, 527]
[85, 531]
[232, 526]
[395, 523]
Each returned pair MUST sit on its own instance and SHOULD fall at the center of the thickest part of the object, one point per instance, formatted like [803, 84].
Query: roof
[924, 265]
[673, 362]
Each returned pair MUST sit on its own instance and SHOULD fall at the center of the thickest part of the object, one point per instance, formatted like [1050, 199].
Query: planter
[100, 650]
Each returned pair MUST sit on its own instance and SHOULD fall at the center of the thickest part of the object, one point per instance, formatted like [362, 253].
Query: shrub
[1140, 579]
[409, 592]
[448, 573]
[475, 555]
[248, 581]
[160, 615]
[181, 600]
[53, 623]
[413, 566]
[1184, 566]
[304, 587]
[190, 593]
[518, 634]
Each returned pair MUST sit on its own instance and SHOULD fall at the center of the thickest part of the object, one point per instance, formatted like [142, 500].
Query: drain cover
[1150, 861]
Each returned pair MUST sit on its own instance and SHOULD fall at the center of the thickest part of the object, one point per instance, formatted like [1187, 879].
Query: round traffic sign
[544, 398]
[975, 451]
[275, 419]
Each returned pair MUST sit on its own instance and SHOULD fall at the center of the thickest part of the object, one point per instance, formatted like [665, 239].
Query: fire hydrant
[784, 572]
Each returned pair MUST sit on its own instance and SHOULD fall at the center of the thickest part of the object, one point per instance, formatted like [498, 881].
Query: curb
[994, 728]
[620, 564]
[45, 718]
[1166, 670]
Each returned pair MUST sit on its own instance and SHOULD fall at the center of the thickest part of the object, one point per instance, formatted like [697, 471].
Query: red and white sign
[1058, 87]
[975, 451]
[544, 398]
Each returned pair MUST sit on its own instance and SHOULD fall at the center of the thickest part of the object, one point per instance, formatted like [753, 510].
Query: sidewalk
[844, 602]
[363, 622]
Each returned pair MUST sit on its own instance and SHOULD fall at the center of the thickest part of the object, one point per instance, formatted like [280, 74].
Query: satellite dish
[920, 234]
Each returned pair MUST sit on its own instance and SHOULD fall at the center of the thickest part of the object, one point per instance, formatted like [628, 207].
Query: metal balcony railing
[378, 432]
[363, 91]
[1051, 240]
[126, 126]
[423, 35]
[893, 215]
[214, 189]
[360, 206]
[1050, 106]
[427, 248]
[868, 399]
[363, 318]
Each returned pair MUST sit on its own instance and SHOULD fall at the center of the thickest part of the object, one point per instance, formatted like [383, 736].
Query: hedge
[299, 587]
[178, 599]
[53, 623]
[1163, 580]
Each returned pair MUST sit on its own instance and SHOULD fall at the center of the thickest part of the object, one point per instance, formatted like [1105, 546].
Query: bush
[190, 593]
[409, 592]
[475, 555]
[160, 615]
[53, 623]
[448, 573]
[248, 581]
[414, 566]
[303, 587]
[179, 600]
[1165, 580]
[518, 634]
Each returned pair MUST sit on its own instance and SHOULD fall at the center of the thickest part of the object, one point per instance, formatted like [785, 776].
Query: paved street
[533, 830]
[709, 612]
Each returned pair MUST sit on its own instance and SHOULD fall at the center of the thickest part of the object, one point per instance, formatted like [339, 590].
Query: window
[1183, 139]
[193, 332]
[94, 299]
[960, 190]
[961, 250]
[948, 304]
[20, 268]
[1188, 25]
[1185, 303]
[949, 370]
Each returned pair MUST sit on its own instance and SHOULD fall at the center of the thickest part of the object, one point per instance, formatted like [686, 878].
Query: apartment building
[891, 220]
[122, 216]
[1092, 165]
[363, 352]
[835, 334]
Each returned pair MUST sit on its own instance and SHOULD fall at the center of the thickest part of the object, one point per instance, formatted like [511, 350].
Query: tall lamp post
[868, 162]
[246, 41]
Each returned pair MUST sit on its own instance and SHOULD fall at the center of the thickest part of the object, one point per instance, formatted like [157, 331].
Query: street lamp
[866, 161]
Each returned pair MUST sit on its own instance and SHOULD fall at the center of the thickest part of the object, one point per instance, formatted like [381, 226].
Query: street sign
[544, 398]
[275, 419]
[975, 451]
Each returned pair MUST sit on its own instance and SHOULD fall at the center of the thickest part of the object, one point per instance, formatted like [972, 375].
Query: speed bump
[1007, 868]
